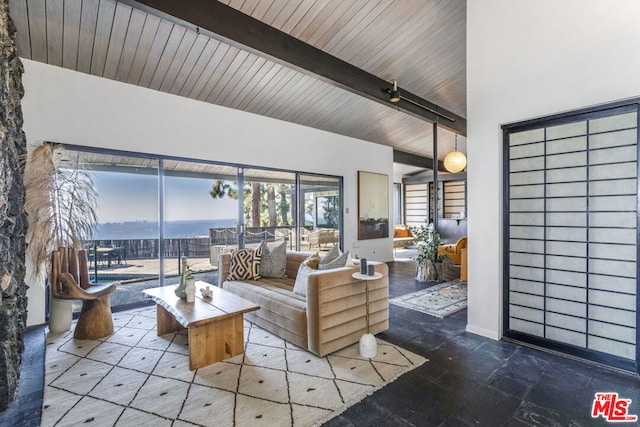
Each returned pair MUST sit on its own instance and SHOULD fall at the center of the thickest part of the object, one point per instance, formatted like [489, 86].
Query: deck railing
[229, 236]
[130, 249]
[109, 251]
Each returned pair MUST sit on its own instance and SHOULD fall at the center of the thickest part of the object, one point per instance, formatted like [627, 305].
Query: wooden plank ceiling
[419, 43]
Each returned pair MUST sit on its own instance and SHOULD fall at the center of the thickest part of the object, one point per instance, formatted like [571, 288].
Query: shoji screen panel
[454, 199]
[571, 233]
[415, 206]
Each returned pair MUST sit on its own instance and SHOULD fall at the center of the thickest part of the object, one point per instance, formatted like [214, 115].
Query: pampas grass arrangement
[61, 203]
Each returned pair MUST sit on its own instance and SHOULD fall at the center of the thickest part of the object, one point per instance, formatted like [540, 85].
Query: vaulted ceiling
[331, 64]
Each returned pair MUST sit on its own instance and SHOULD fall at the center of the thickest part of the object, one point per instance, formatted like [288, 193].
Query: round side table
[368, 346]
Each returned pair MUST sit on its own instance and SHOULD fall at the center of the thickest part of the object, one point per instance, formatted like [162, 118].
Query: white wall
[528, 59]
[74, 108]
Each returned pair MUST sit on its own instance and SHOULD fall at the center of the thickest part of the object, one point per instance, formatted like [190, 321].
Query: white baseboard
[483, 332]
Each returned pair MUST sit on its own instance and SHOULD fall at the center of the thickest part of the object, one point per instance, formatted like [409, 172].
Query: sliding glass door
[269, 207]
[319, 212]
[154, 211]
[571, 234]
[198, 198]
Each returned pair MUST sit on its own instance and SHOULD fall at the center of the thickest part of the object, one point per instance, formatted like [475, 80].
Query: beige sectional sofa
[331, 317]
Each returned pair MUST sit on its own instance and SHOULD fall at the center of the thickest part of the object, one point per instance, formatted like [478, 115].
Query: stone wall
[13, 299]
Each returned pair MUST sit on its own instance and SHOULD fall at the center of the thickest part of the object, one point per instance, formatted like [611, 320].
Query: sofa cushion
[245, 264]
[281, 311]
[274, 261]
[270, 296]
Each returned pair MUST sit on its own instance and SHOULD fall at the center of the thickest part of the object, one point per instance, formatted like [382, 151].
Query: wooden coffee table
[215, 325]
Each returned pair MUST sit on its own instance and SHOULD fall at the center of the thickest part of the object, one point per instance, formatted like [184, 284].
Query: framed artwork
[373, 205]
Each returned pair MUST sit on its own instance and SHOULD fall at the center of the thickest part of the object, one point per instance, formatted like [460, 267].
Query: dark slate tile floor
[474, 381]
[468, 381]
[26, 409]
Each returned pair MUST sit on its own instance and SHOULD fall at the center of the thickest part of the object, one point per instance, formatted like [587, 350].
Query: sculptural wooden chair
[70, 281]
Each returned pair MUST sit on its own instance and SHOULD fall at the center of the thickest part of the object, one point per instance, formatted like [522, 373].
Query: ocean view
[149, 229]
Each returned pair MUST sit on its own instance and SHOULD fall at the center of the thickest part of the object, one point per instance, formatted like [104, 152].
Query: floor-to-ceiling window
[154, 211]
[125, 244]
[571, 233]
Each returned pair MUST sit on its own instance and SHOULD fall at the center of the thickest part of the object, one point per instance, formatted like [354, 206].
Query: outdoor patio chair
[70, 281]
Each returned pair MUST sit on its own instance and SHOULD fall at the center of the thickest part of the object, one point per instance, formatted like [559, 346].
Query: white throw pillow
[300, 286]
[307, 267]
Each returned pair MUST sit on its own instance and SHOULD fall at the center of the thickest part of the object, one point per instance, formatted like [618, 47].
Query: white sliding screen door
[571, 233]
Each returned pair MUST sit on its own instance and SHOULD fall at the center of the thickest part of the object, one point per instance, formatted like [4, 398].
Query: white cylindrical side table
[368, 345]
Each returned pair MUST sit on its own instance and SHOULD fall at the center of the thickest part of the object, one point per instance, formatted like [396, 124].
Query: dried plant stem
[61, 202]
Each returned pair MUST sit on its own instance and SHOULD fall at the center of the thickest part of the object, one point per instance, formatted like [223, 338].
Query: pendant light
[455, 161]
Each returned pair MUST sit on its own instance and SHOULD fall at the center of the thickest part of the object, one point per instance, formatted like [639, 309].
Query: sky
[132, 197]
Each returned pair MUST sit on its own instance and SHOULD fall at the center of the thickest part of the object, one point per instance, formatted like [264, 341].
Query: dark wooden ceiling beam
[229, 25]
[416, 160]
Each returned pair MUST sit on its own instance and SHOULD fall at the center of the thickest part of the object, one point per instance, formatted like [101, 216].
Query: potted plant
[429, 263]
[61, 206]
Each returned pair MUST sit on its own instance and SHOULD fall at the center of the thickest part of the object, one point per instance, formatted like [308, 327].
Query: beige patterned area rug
[440, 300]
[135, 378]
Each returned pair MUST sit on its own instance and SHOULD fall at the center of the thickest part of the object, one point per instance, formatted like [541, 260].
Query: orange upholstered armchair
[402, 236]
[454, 250]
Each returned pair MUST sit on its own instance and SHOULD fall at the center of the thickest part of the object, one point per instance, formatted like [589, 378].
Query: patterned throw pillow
[313, 261]
[340, 261]
[333, 254]
[334, 259]
[245, 264]
[274, 261]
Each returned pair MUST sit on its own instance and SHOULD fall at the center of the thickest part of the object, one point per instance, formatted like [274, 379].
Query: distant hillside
[149, 229]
